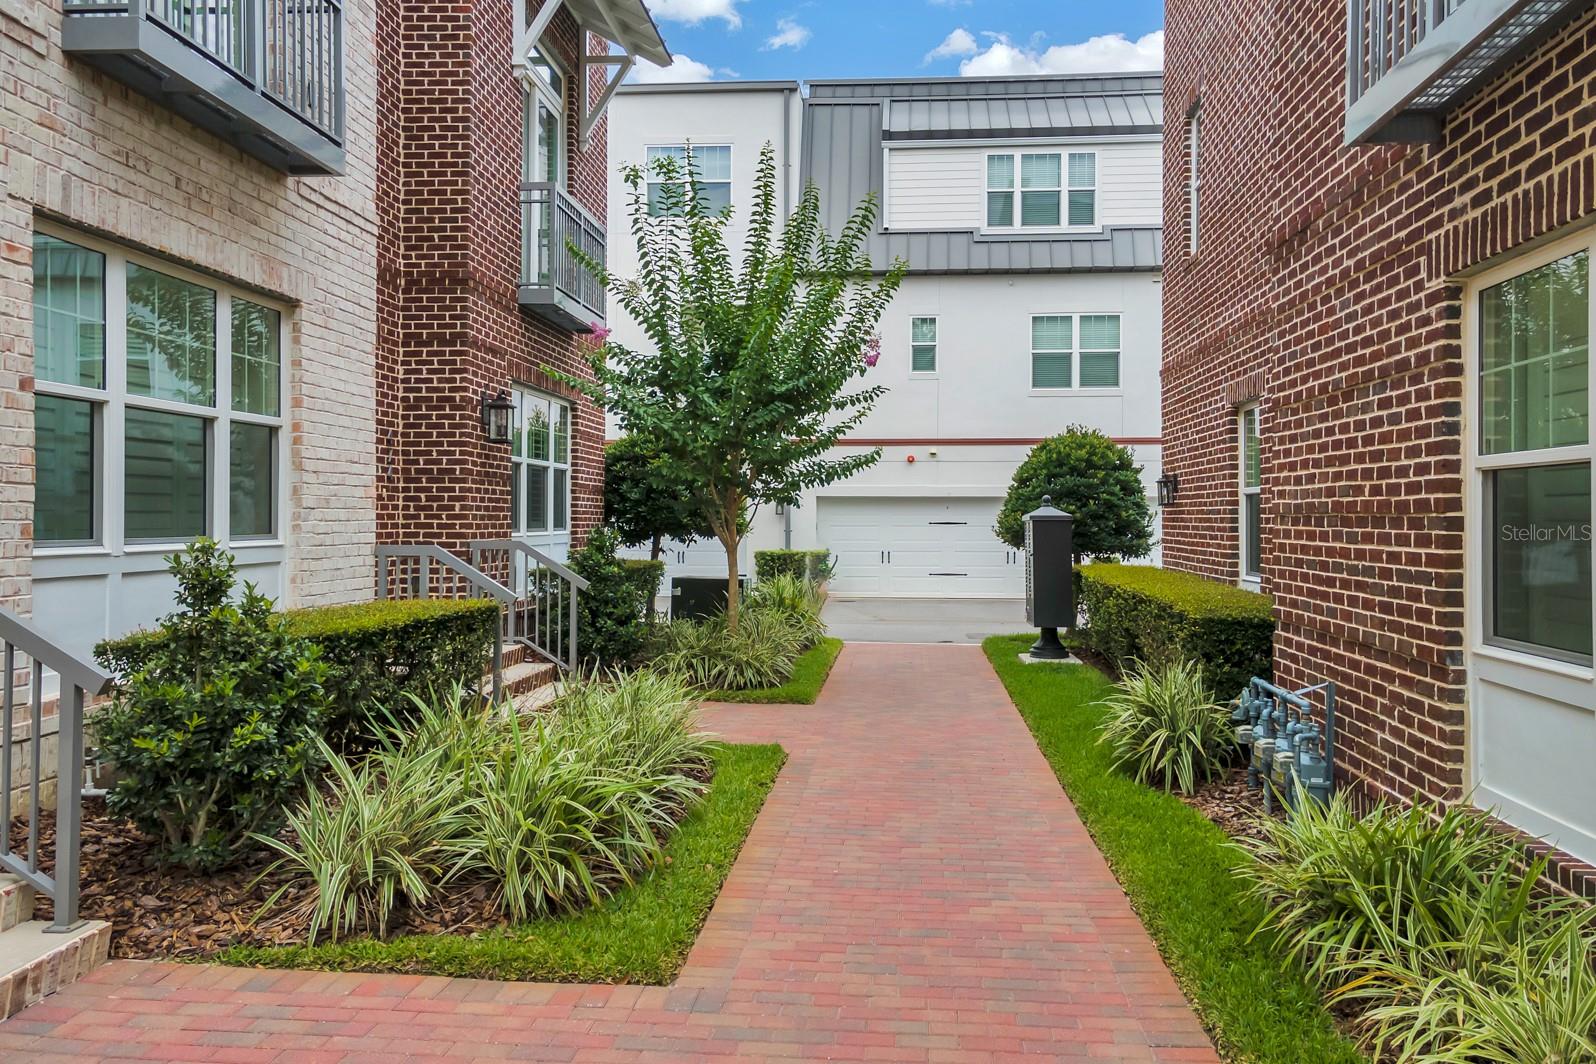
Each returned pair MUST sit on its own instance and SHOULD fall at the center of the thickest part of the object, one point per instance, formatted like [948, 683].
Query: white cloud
[682, 68]
[960, 42]
[788, 35]
[693, 12]
[1097, 55]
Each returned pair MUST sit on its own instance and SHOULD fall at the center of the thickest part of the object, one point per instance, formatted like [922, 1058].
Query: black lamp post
[1168, 488]
[497, 412]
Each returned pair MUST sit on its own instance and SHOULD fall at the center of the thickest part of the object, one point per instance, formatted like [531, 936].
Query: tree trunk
[731, 581]
[653, 554]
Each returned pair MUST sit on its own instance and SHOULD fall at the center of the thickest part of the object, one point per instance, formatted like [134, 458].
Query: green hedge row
[1141, 612]
[811, 565]
[376, 652]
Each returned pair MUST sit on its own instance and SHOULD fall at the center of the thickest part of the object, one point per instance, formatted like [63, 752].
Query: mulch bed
[1228, 803]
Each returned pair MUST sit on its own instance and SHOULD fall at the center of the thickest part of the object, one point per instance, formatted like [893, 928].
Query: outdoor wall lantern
[497, 410]
[1168, 488]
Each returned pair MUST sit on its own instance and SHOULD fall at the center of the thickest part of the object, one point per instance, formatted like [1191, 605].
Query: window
[200, 384]
[1057, 340]
[1193, 176]
[1534, 457]
[712, 165]
[540, 468]
[1049, 182]
[1251, 481]
[922, 345]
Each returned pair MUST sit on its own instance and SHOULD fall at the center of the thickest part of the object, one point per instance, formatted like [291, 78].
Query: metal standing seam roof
[1097, 114]
[842, 156]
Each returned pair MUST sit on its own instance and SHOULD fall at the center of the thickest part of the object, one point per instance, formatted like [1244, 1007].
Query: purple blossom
[872, 350]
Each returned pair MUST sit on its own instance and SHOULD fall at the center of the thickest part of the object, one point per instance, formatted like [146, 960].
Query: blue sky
[751, 39]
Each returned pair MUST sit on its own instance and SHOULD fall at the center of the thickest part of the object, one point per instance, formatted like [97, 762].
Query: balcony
[264, 75]
[1409, 62]
[554, 284]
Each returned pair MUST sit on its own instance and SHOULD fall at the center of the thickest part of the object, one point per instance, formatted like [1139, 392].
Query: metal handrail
[18, 638]
[534, 622]
[552, 222]
[424, 555]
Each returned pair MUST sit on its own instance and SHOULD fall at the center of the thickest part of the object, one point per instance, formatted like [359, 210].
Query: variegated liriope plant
[751, 374]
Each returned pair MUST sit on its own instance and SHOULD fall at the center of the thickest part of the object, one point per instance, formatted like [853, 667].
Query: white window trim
[1193, 176]
[112, 402]
[731, 162]
[1251, 581]
[1075, 386]
[936, 346]
[519, 464]
[1519, 658]
[540, 91]
[1063, 152]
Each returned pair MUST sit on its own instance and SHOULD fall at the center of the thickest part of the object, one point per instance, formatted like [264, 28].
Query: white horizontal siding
[934, 188]
[943, 188]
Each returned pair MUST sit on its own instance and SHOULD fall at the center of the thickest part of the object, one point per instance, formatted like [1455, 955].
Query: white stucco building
[1028, 210]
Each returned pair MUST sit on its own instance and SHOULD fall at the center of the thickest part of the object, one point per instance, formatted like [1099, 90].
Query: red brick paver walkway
[917, 887]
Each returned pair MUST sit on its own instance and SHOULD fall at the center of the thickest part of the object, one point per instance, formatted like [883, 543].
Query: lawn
[640, 935]
[1175, 866]
[801, 689]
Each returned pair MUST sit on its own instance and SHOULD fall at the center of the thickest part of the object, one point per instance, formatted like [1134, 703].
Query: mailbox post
[1049, 577]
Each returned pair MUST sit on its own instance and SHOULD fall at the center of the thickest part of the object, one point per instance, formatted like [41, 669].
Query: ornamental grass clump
[549, 813]
[1164, 726]
[1435, 927]
[713, 656]
[795, 598]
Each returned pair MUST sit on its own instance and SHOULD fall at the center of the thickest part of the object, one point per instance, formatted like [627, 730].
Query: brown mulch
[1227, 802]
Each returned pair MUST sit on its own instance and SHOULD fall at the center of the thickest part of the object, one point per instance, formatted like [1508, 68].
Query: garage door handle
[947, 574]
[947, 523]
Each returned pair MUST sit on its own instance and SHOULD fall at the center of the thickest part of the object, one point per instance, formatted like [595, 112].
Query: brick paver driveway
[916, 888]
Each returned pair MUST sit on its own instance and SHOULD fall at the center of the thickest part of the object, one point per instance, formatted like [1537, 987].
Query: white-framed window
[1531, 327]
[1193, 175]
[1075, 351]
[543, 135]
[1249, 483]
[711, 163]
[1041, 190]
[540, 468]
[923, 344]
[158, 402]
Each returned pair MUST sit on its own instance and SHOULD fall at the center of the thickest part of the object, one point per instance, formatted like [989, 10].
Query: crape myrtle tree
[1091, 478]
[753, 371]
[646, 500]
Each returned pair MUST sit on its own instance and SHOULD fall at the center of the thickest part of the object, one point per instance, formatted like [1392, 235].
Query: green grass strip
[801, 689]
[639, 935]
[1175, 866]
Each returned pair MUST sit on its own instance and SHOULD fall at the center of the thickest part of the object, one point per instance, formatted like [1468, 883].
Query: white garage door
[919, 546]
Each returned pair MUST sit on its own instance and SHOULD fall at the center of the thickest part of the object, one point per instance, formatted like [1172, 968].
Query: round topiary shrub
[1093, 479]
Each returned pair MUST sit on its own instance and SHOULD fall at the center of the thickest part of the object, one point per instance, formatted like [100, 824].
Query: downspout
[786, 159]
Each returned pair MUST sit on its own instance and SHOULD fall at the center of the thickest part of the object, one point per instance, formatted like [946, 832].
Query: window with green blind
[64, 440]
[999, 190]
[1037, 182]
[1083, 188]
[711, 164]
[1099, 349]
[923, 345]
[1052, 344]
[164, 479]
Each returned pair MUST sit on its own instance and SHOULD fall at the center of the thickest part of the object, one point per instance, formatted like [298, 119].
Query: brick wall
[80, 148]
[1323, 285]
[449, 254]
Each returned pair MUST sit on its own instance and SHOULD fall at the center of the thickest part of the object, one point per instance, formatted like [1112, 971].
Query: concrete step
[527, 676]
[35, 962]
[16, 902]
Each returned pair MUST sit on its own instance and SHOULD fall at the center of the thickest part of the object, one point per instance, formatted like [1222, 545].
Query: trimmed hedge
[1141, 612]
[376, 652]
[645, 577]
[811, 565]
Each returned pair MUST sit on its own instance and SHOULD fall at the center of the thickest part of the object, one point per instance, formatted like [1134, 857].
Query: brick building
[260, 265]
[1376, 375]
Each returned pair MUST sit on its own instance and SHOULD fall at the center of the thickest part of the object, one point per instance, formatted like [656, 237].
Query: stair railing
[426, 570]
[28, 656]
[544, 617]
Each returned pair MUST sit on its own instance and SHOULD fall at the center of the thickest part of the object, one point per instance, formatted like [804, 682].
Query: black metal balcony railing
[265, 74]
[554, 283]
[1411, 61]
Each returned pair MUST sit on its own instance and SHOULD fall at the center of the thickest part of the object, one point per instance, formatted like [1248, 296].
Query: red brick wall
[449, 258]
[1325, 284]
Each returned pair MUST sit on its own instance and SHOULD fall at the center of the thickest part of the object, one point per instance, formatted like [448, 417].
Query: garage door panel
[919, 547]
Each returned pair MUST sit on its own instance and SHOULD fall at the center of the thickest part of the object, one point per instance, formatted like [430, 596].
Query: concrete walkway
[922, 620]
[916, 888]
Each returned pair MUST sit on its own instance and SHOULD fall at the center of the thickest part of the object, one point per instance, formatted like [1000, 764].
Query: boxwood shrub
[376, 652]
[811, 565]
[613, 614]
[1141, 612]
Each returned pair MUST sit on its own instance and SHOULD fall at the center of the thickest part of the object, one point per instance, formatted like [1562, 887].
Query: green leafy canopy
[1093, 479]
[751, 373]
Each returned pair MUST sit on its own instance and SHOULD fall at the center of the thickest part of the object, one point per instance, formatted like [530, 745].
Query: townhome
[1377, 377]
[1028, 210]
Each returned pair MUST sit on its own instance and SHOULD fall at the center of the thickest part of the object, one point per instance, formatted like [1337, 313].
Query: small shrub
[215, 730]
[612, 615]
[814, 566]
[377, 654]
[1094, 480]
[794, 598]
[1165, 728]
[1143, 613]
[708, 654]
